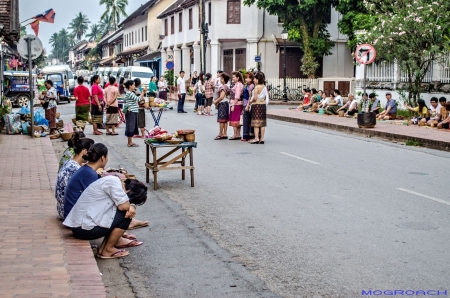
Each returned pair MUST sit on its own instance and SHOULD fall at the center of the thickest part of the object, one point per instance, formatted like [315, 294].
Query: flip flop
[218, 138]
[137, 137]
[108, 133]
[114, 134]
[133, 145]
[224, 138]
[131, 244]
[129, 236]
[234, 139]
[139, 225]
[114, 255]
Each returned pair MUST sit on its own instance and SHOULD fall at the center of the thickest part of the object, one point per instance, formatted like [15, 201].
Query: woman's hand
[232, 108]
[247, 108]
[131, 213]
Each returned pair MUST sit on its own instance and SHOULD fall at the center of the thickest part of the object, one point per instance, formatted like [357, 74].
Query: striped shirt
[132, 101]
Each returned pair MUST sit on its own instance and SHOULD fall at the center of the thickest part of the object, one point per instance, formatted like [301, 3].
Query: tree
[105, 26]
[411, 34]
[60, 43]
[305, 21]
[79, 25]
[114, 10]
[94, 34]
[354, 17]
[23, 31]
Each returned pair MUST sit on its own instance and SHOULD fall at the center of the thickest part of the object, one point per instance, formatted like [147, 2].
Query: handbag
[125, 109]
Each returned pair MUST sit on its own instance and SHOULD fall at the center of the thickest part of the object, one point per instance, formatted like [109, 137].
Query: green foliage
[169, 76]
[413, 142]
[61, 43]
[95, 33]
[243, 72]
[305, 22]
[79, 25]
[23, 31]
[105, 26]
[114, 10]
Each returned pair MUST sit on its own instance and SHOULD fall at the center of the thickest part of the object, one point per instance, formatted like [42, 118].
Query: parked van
[114, 72]
[62, 78]
[17, 87]
[134, 72]
[106, 75]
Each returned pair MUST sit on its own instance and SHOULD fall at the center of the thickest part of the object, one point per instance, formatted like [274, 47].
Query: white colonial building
[237, 34]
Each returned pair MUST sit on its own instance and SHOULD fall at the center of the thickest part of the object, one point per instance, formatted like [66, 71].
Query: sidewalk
[429, 137]
[38, 256]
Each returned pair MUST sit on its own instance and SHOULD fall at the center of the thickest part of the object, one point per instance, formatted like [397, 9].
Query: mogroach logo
[404, 293]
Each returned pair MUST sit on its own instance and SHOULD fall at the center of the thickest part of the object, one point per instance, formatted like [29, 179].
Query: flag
[48, 16]
[35, 27]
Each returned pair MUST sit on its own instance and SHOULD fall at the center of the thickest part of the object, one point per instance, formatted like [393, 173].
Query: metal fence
[294, 87]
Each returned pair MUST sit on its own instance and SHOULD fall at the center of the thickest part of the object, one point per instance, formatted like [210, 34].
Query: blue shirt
[82, 178]
[391, 103]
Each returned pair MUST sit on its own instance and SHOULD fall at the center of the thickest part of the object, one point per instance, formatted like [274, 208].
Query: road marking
[304, 159]
[190, 124]
[424, 196]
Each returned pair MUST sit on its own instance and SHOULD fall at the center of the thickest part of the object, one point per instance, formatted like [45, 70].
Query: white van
[114, 72]
[138, 72]
[99, 72]
[63, 78]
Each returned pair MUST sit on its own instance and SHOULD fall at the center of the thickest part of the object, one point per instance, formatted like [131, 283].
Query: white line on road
[304, 159]
[424, 196]
[190, 124]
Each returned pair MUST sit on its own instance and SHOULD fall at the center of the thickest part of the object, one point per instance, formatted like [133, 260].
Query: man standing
[390, 112]
[181, 85]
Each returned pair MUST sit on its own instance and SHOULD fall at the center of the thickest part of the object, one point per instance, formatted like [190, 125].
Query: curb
[427, 143]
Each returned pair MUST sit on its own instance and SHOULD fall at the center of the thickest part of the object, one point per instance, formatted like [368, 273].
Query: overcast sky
[65, 12]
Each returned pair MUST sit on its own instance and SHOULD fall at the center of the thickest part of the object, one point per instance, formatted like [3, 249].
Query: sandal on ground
[129, 236]
[118, 254]
[133, 145]
[114, 134]
[244, 140]
[140, 224]
[261, 142]
[98, 133]
[108, 133]
[234, 138]
[254, 142]
[224, 137]
[132, 243]
[137, 137]
[218, 138]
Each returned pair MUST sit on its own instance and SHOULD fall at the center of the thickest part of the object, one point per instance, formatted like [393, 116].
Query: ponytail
[75, 137]
[96, 152]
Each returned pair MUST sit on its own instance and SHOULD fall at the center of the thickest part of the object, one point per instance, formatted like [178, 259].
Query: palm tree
[114, 10]
[95, 33]
[79, 25]
[54, 40]
[72, 40]
[105, 26]
[63, 43]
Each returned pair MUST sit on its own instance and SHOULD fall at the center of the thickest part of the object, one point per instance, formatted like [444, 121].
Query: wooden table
[160, 164]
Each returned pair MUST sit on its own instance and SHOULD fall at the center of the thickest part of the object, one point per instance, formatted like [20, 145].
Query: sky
[65, 12]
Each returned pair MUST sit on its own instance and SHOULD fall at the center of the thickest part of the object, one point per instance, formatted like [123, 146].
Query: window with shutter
[172, 25]
[233, 12]
[166, 28]
[142, 34]
[209, 13]
[190, 19]
[146, 33]
[180, 22]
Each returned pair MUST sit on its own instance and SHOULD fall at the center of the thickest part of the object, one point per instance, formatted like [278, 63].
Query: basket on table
[189, 137]
[175, 142]
[66, 136]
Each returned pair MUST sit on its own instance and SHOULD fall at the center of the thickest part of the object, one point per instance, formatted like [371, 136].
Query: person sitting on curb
[445, 116]
[105, 209]
[390, 112]
[374, 104]
[333, 107]
[324, 102]
[314, 97]
[69, 153]
[424, 114]
[435, 111]
[351, 107]
[364, 103]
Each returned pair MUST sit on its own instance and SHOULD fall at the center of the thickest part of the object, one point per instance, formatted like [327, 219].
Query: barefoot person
[105, 209]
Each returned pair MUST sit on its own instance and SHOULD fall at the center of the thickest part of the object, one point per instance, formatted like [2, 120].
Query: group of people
[241, 101]
[94, 207]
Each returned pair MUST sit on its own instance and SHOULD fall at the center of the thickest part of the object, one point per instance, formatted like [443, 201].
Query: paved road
[312, 213]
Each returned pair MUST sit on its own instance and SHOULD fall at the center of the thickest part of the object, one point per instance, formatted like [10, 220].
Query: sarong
[223, 112]
[235, 116]
[82, 113]
[112, 116]
[259, 115]
[50, 115]
[163, 95]
[248, 132]
[97, 115]
[131, 128]
[141, 118]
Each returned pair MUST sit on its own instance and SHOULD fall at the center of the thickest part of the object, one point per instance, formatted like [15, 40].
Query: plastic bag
[24, 110]
[68, 127]
[25, 129]
[39, 117]
[13, 125]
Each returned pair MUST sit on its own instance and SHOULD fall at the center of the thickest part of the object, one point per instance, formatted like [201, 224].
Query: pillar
[208, 58]
[186, 60]
[163, 61]
[215, 57]
[177, 60]
[196, 47]
[252, 51]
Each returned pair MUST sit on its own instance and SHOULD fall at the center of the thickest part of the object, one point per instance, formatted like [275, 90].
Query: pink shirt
[111, 93]
[238, 88]
[97, 90]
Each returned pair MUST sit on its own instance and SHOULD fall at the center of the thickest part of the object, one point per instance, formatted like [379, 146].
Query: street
[311, 213]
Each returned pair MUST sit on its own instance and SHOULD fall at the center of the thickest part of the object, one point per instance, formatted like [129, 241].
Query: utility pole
[203, 37]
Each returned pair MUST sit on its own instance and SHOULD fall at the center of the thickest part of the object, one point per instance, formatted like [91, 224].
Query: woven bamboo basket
[58, 114]
[66, 136]
[190, 137]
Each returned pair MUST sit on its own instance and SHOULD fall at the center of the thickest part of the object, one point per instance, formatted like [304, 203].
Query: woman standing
[132, 104]
[121, 86]
[162, 87]
[194, 79]
[80, 147]
[97, 104]
[236, 105]
[141, 114]
[223, 106]
[259, 108]
[152, 88]
[112, 107]
[247, 118]
[198, 91]
[50, 105]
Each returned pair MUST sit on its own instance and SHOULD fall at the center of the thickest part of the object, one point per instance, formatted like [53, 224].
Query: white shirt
[182, 84]
[97, 205]
[435, 111]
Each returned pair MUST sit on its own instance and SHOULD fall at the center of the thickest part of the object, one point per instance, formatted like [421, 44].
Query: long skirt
[235, 116]
[96, 114]
[163, 95]
[141, 118]
[259, 115]
[112, 116]
[223, 112]
[248, 132]
[50, 115]
[131, 128]
[82, 113]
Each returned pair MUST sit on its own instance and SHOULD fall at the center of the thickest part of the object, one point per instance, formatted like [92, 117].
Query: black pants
[98, 232]
[352, 112]
[181, 102]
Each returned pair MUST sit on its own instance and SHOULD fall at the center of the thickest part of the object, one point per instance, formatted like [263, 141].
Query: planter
[367, 120]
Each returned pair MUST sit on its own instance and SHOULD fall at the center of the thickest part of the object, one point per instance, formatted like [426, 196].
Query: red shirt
[97, 90]
[83, 94]
[115, 85]
[307, 99]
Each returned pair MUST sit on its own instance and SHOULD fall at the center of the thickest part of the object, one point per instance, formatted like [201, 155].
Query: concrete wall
[135, 26]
